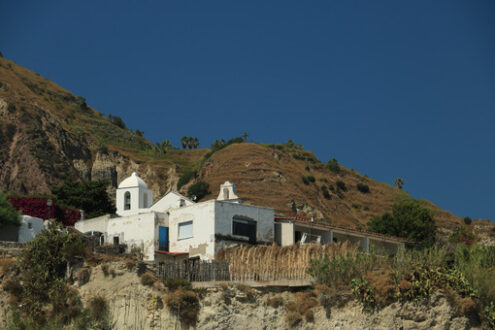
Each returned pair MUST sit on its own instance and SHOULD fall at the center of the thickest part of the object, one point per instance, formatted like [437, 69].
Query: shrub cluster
[91, 196]
[414, 275]
[148, 279]
[8, 215]
[301, 307]
[186, 177]
[117, 121]
[183, 302]
[363, 188]
[325, 192]
[306, 156]
[409, 219]
[11, 107]
[41, 293]
[198, 190]
[341, 186]
[333, 165]
[307, 179]
[175, 283]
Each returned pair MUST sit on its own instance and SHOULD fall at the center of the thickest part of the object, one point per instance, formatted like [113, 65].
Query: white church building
[176, 226]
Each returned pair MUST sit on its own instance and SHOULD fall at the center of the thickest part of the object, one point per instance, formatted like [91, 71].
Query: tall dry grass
[270, 263]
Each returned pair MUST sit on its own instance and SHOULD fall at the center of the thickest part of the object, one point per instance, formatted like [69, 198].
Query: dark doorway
[297, 236]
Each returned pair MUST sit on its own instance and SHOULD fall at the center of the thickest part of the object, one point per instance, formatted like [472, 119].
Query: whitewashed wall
[170, 201]
[264, 217]
[135, 230]
[95, 224]
[202, 242]
[25, 233]
[286, 234]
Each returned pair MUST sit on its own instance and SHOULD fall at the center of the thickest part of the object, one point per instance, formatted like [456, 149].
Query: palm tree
[190, 142]
[164, 146]
[399, 183]
[195, 143]
[183, 142]
[245, 136]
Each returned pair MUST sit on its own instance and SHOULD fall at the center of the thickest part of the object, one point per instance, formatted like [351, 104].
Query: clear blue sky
[389, 88]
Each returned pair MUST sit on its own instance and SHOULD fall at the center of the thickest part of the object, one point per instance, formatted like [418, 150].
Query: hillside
[48, 134]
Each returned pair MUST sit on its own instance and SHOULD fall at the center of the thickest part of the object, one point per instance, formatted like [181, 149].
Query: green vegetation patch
[8, 215]
[90, 196]
[409, 219]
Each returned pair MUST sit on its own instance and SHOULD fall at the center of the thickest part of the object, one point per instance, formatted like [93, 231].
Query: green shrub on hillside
[185, 178]
[325, 192]
[116, 120]
[11, 107]
[198, 190]
[91, 196]
[43, 266]
[305, 180]
[333, 165]
[409, 219]
[340, 269]
[363, 188]
[175, 283]
[185, 304]
[468, 220]
[8, 215]
[341, 186]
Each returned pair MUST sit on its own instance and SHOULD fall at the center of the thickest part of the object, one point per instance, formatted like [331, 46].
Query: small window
[185, 230]
[243, 227]
[30, 225]
[127, 200]
[116, 240]
[226, 193]
[182, 202]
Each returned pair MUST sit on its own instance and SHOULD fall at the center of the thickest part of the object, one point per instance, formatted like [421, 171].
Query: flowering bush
[462, 236]
[44, 209]
[35, 207]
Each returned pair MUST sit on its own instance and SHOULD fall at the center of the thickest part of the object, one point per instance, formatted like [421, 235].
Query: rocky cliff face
[135, 306]
[47, 134]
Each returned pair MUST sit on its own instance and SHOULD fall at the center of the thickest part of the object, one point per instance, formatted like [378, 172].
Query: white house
[27, 230]
[175, 225]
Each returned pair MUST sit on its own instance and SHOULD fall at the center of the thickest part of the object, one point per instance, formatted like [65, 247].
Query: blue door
[163, 238]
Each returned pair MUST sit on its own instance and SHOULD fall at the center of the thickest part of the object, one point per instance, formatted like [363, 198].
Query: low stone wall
[10, 249]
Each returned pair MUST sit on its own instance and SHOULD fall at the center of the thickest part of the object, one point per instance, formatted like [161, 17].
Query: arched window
[127, 200]
[226, 193]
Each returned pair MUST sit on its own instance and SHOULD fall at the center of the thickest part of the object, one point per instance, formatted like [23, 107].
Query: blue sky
[389, 88]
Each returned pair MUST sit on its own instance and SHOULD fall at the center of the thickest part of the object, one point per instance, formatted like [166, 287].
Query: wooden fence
[195, 271]
[254, 263]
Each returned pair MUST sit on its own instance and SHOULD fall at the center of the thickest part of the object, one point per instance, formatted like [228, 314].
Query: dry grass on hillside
[273, 178]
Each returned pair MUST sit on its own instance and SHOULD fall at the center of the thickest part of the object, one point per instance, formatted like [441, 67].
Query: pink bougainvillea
[45, 208]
